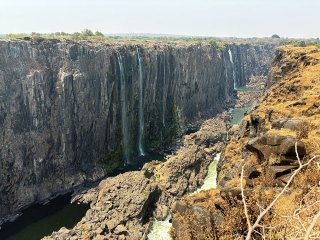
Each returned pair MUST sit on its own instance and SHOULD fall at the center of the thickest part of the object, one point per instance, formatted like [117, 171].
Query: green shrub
[87, 33]
[98, 34]
[213, 43]
[112, 160]
[76, 36]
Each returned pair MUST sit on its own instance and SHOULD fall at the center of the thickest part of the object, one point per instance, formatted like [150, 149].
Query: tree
[275, 36]
[213, 42]
[87, 33]
[98, 34]
[76, 36]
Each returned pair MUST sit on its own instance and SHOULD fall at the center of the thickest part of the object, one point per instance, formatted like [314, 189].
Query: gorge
[72, 112]
[268, 174]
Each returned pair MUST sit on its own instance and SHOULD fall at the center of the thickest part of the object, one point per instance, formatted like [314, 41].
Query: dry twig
[252, 227]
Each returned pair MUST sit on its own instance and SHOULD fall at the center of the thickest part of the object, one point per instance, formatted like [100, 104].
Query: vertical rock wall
[60, 106]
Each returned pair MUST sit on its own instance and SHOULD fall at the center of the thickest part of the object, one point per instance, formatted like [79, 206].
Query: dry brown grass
[296, 96]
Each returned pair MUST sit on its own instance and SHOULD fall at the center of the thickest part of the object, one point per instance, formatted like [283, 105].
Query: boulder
[284, 146]
[287, 147]
[121, 230]
[179, 207]
[161, 212]
[243, 128]
[194, 217]
[279, 171]
[255, 126]
[292, 124]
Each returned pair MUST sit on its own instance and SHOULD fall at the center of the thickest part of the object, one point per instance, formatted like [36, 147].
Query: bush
[87, 33]
[98, 34]
[213, 42]
[275, 36]
[76, 36]
[216, 43]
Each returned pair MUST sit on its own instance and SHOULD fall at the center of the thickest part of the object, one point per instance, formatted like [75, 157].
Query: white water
[160, 229]
[211, 179]
[233, 71]
[141, 112]
[164, 96]
[124, 125]
[225, 69]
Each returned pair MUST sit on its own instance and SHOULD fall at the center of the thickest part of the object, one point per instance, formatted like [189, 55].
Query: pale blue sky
[221, 18]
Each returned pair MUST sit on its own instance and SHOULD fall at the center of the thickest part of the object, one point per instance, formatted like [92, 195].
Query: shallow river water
[160, 229]
[41, 220]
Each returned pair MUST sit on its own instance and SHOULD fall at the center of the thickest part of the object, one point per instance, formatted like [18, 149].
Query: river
[161, 229]
[41, 220]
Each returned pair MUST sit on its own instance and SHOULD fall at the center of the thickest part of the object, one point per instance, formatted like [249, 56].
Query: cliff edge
[71, 112]
[273, 155]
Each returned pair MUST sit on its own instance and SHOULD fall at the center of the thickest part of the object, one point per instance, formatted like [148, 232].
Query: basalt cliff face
[124, 206]
[268, 175]
[71, 112]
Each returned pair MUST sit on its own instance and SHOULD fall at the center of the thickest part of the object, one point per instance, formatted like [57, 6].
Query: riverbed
[161, 229]
[41, 220]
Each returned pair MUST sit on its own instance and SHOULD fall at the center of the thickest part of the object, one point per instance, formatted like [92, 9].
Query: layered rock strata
[123, 207]
[71, 112]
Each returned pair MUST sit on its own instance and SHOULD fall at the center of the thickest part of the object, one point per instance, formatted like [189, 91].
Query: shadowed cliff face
[65, 107]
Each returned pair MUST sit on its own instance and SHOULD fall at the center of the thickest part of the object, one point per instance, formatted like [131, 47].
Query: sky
[218, 18]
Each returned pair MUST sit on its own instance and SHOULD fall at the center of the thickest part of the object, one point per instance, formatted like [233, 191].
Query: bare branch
[251, 228]
[313, 223]
[244, 200]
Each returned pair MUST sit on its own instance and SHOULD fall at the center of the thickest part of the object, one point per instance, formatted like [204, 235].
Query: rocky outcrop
[292, 124]
[245, 61]
[253, 90]
[122, 207]
[70, 111]
[282, 146]
[268, 146]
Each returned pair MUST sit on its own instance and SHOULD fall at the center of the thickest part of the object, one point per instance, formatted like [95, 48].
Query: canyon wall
[70, 112]
[270, 163]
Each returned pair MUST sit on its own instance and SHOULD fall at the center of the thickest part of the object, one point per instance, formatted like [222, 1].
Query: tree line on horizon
[88, 34]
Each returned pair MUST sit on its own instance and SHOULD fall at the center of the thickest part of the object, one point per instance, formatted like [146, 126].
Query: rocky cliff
[268, 175]
[124, 206]
[70, 112]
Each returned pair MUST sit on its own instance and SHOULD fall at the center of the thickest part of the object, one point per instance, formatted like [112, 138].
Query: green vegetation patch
[113, 160]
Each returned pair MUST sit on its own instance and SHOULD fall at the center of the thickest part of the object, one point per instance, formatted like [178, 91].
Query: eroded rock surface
[122, 207]
[61, 107]
[279, 134]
